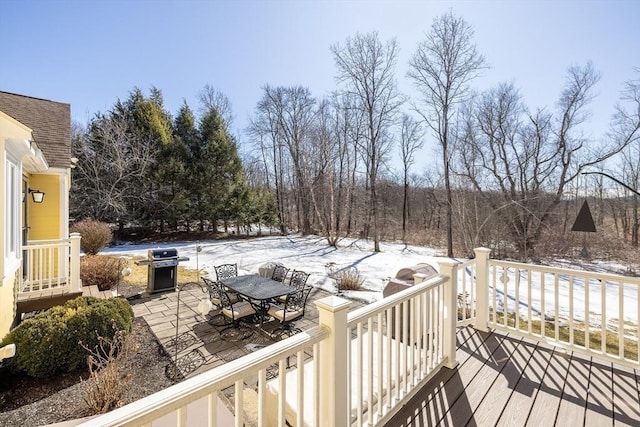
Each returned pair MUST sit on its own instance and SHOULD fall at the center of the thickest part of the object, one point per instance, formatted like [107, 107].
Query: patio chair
[235, 312]
[299, 279]
[224, 271]
[215, 288]
[279, 273]
[292, 310]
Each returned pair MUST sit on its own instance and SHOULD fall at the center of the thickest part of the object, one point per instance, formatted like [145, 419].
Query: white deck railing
[587, 312]
[51, 264]
[395, 345]
[467, 292]
[359, 368]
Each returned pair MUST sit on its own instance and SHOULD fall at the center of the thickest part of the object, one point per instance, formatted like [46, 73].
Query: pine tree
[223, 189]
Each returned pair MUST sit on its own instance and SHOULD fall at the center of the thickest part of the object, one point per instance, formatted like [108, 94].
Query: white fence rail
[393, 347]
[51, 264]
[588, 312]
[46, 266]
[247, 373]
[467, 290]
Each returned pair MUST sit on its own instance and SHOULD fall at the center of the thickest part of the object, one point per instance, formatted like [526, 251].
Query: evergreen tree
[149, 130]
[222, 188]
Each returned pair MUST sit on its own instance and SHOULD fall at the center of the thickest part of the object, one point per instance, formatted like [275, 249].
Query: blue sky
[91, 53]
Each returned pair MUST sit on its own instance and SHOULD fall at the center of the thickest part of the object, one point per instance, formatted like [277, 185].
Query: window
[13, 183]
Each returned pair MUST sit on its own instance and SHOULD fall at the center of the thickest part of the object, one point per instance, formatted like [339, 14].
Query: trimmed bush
[99, 270]
[96, 235]
[49, 343]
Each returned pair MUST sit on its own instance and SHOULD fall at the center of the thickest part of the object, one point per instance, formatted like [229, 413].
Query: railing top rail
[51, 242]
[364, 313]
[179, 395]
[467, 263]
[47, 241]
[608, 277]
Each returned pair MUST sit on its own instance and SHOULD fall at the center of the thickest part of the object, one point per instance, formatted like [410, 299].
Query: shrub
[99, 270]
[349, 280]
[49, 343]
[95, 235]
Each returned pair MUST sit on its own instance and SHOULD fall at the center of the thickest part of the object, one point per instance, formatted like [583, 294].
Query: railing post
[482, 288]
[449, 268]
[74, 262]
[333, 362]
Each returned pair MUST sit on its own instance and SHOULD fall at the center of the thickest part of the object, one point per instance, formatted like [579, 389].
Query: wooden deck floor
[42, 300]
[504, 380]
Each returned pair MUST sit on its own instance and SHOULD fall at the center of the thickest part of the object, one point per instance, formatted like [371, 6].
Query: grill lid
[155, 254]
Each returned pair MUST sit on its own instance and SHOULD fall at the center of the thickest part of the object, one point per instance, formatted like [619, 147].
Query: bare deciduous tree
[441, 69]
[522, 162]
[112, 171]
[366, 67]
[211, 98]
[410, 141]
[264, 130]
[285, 118]
[626, 129]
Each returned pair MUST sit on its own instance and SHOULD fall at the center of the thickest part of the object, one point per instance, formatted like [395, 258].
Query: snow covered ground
[308, 253]
[313, 255]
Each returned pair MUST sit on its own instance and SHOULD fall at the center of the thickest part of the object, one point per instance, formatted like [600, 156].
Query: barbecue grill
[405, 278]
[162, 273]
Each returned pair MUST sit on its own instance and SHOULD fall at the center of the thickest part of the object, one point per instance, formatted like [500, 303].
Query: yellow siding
[3, 209]
[9, 128]
[7, 308]
[45, 217]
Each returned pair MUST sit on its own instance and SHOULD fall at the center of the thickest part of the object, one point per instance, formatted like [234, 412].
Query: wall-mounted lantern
[37, 196]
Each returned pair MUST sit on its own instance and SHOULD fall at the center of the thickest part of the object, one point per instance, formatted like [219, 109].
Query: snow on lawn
[308, 253]
[313, 255]
[567, 291]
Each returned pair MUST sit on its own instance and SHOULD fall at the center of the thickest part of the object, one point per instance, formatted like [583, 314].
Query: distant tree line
[139, 167]
[506, 177]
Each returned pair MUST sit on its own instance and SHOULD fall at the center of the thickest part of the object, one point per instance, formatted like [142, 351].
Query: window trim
[12, 212]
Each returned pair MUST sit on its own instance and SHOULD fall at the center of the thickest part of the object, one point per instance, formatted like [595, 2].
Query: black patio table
[260, 291]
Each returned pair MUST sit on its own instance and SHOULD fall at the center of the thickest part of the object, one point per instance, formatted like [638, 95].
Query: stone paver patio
[200, 346]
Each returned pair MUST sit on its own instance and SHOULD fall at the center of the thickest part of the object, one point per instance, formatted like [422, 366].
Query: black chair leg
[224, 321]
[236, 332]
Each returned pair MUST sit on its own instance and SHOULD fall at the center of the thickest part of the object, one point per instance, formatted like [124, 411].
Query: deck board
[480, 385]
[545, 407]
[574, 394]
[454, 388]
[521, 400]
[498, 396]
[47, 298]
[507, 381]
[599, 409]
[626, 397]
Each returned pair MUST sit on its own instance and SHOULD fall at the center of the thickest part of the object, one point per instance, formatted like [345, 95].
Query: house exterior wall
[14, 137]
[35, 152]
[7, 305]
[45, 219]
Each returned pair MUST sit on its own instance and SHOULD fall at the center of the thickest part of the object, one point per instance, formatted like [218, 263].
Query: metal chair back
[214, 291]
[225, 271]
[299, 279]
[279, 273]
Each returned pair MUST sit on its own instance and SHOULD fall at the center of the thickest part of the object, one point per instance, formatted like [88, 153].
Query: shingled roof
[50, 122]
